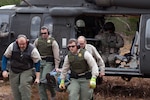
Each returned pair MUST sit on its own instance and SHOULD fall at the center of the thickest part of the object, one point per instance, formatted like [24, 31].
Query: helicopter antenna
[29, 4]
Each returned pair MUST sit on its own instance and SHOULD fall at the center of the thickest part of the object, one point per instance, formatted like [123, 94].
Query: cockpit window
[4, 20]
[48, 22]
[35, 26]
[147, 34]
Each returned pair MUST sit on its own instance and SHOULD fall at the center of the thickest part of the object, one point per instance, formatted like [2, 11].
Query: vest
[108, 43]
[77, 62]
[21, 61]
[45, 46]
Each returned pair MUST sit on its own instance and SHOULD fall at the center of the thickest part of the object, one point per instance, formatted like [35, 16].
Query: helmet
[109, 26]
[80, 23]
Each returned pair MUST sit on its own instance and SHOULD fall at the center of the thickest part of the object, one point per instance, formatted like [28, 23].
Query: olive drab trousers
[21, 84]
[79, 89]
[110, 58]
[45, 68]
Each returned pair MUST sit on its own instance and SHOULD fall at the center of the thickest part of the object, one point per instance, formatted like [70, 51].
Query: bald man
[22, 56]
[83, 44]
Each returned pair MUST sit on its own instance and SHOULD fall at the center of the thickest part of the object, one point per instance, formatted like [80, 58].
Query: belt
[82, 74]
[48, 59]
[46, 56]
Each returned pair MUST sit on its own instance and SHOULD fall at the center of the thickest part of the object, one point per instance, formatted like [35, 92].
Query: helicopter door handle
[143, 56]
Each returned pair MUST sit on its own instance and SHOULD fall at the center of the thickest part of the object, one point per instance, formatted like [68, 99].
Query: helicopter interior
[90, 26]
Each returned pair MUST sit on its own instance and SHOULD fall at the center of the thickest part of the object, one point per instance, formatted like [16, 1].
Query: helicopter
[71, 18]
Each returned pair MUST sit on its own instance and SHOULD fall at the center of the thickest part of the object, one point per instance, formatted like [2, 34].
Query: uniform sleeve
[8, 51]
[55, 48]
[4, 63]
[99, 59]
[120, 41]
[99, 36]
[92, 63]
[35, 42]
[36, 59]
[35, 55]
[37, 66]
[65, 68]
[6, 56]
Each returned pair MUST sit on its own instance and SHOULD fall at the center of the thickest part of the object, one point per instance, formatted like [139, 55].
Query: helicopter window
[4, 19]
[35, 26]
[48, 22]
[89, 26]
[147, 35]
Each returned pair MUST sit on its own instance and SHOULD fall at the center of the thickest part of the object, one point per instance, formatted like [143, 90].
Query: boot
[53, 98]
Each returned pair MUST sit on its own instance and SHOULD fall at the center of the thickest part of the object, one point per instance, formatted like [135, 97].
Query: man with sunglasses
[84, 72]
[49, 51]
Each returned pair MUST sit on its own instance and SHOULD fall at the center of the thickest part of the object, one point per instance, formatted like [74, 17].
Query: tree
[9, 2]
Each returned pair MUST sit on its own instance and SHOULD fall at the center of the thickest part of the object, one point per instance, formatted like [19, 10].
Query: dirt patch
[112, 88]
[5, 91]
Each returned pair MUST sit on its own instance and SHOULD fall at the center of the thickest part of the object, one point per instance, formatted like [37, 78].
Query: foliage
[126, 25]
[134, 23]
[9, 2]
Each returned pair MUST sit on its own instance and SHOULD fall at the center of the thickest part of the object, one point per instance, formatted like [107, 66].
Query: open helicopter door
[5, 34]
[145, 45]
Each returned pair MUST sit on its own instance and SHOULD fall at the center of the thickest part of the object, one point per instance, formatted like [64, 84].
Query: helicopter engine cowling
[141, 4]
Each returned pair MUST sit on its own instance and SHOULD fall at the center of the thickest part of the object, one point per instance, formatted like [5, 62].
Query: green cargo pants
[45, 68]
[21, 84]
[79, 89]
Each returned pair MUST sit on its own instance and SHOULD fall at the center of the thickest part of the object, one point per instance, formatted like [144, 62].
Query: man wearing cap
[49, 51]
[22, 56]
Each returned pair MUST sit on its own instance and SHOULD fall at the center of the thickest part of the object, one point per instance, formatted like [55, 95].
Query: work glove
[62, 85]
[93, 82]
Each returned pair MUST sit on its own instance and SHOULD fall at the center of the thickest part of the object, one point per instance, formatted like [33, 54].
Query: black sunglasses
[44, 33]
[71, 46]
